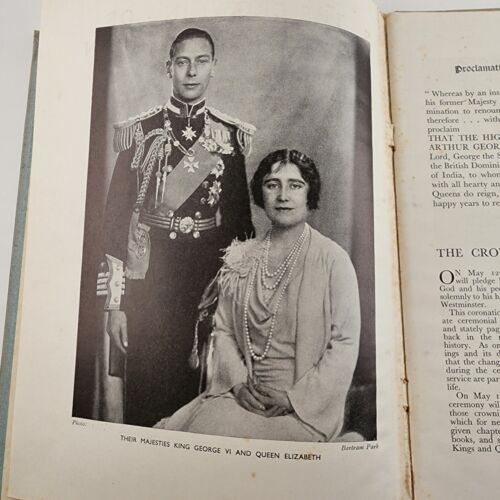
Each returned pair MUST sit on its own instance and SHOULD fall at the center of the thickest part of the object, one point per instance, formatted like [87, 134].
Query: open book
[341, 348]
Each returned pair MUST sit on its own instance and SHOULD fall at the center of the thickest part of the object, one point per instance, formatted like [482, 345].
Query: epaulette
[126, 130]
[244, 131]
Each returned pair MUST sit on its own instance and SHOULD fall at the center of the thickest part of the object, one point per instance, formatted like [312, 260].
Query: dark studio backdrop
[305, 86]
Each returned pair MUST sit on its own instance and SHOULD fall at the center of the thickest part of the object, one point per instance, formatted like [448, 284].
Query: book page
[444, 70]
[310, 80]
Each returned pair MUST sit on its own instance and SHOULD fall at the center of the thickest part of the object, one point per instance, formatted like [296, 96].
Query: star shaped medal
[191, 165]
[188, 133]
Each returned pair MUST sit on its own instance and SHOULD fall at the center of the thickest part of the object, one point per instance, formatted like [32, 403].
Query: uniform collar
[184, 110]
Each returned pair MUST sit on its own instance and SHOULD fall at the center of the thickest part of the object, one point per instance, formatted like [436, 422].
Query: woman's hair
[307, 169]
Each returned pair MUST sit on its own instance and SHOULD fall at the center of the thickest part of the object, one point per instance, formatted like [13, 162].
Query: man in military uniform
[178, 196]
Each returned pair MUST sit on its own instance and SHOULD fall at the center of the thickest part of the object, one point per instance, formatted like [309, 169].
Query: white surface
[18, 20]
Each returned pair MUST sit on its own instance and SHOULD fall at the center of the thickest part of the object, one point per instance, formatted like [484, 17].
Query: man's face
[191, 69]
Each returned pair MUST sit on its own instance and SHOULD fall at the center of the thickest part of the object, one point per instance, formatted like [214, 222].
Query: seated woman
[287, 322]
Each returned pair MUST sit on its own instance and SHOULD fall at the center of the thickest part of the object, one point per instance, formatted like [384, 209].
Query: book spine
[17, 256]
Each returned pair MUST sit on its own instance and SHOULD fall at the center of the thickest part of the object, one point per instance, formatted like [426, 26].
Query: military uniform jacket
[180, 174]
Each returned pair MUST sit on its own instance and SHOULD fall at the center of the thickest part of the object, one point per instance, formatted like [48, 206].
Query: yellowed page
[444, 73]
[55, 454]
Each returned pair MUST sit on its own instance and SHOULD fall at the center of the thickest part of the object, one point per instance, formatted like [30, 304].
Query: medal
[191, 165]
[188, 133]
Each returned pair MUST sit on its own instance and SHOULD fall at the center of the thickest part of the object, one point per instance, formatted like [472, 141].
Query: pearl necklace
[296, 252]
[283, 267]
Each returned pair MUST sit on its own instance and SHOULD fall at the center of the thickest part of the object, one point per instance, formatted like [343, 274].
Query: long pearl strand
[295, 255]
[283, 267]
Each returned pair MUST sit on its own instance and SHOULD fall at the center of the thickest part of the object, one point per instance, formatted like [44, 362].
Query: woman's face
[284, 192]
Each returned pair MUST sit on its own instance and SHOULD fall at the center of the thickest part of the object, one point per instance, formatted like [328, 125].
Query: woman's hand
[247, 400]
[262, 400]
[272, 398]
[276, 402]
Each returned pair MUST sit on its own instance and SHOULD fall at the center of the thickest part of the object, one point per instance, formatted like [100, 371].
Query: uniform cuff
[111, 284]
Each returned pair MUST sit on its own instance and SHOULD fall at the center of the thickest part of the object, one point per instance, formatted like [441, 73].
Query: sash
[187, 176]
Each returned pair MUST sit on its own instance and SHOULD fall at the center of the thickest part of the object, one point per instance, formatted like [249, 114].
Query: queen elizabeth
[287, 323]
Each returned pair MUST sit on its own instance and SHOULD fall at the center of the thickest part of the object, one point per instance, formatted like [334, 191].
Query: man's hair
[307, 169]
[188, 34]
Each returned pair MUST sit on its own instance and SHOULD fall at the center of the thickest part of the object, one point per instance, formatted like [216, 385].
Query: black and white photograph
[228, 281]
